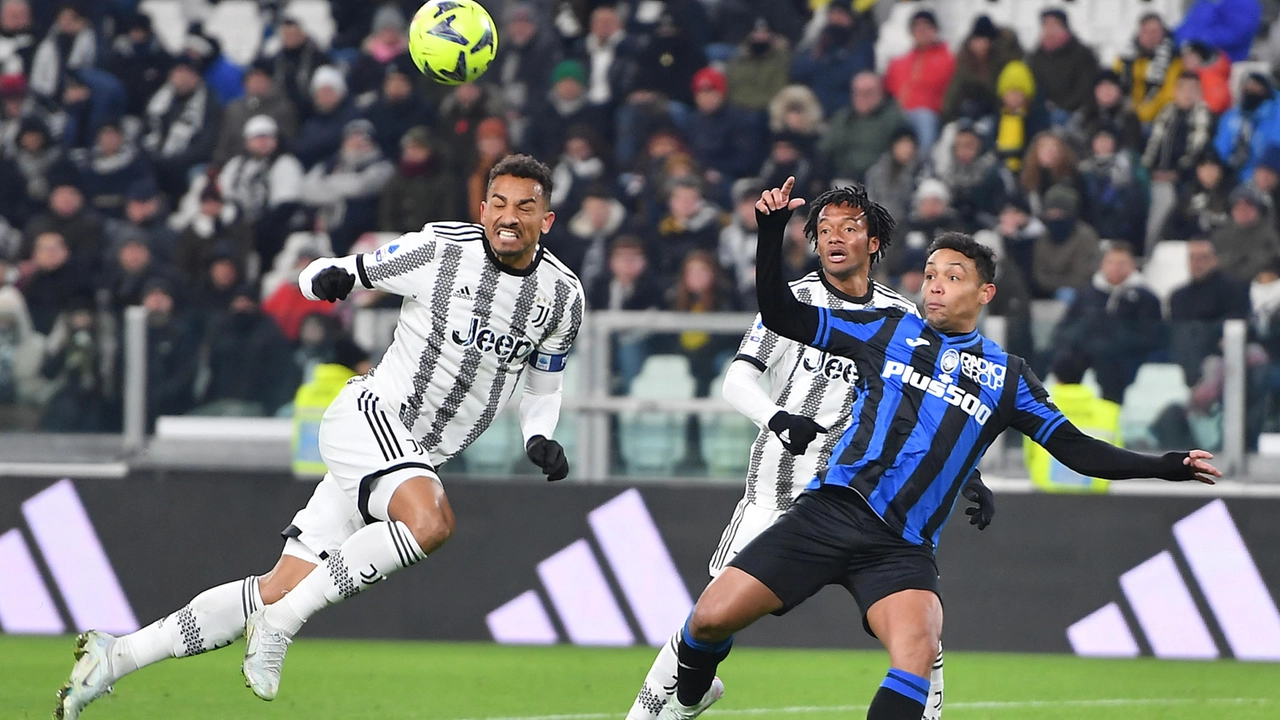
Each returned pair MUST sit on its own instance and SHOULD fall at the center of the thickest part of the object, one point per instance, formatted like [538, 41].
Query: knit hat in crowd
[388, 18]
[1016, 76]
[260, 125]
[359, 126]
[13, 85]
[1058, 14]
[933, 188]
[329, 76]
[709, 78]
[571, 69]
[984, 27]
[419, 135]
[1106, 75]
[925, 15]
[1062, 197]
[1249, 193]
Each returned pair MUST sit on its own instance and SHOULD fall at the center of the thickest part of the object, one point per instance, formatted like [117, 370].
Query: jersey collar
[863, 300]
[493, 258]
[963, 339]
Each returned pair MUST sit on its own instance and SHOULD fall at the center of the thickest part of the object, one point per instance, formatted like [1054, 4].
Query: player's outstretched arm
[1092, 457]
[779, 308]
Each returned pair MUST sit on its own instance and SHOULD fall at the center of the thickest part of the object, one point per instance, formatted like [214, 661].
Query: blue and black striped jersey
[929, 404]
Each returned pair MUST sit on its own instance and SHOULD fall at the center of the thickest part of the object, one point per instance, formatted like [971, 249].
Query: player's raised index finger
[786, 186]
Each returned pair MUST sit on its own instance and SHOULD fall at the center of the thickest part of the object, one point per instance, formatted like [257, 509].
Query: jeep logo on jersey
[982, 371]
[508, 348]
[831, 367]
[940, 387]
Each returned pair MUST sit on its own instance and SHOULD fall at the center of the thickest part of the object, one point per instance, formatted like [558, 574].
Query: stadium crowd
[198, 188]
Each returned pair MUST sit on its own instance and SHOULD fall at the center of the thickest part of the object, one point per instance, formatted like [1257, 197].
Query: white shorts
[749, 520]
[369, 453]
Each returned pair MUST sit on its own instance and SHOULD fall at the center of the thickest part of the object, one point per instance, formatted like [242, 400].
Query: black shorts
[831, 536]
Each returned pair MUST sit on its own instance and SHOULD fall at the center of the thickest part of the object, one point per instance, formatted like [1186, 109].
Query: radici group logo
[1166, 611]
[73, 559]
[579, 592]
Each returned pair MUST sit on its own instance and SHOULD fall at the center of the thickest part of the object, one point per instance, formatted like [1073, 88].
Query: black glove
[800, 431]
[985, 502]
[332, 283]
[548, 455]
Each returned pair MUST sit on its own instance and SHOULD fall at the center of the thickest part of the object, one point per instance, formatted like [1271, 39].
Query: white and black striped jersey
[468, 326]
[805, 381]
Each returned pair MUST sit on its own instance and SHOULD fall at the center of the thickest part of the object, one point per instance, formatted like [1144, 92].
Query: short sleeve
[760, 346]
[405, 266]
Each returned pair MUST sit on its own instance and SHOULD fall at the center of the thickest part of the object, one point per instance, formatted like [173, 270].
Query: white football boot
[264, 650]
[673, 710]
[90, 678]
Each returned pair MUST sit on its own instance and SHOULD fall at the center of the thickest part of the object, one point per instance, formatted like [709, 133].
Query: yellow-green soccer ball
[452, 41]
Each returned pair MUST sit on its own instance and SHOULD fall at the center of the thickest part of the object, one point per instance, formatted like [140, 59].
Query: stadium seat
[653, 443]
[236, 24]
[1166, 269]
[168, 22]
[1155, 388]
[726, 437]
[315, 18]
[1045, 316]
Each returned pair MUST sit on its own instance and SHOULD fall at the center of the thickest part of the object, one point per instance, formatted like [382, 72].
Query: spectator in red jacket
[918, 80]
[1214, 69]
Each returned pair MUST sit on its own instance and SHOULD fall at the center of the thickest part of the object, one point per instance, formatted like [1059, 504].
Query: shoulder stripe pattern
[470, 361]
[456, 231]
[401, 264]
[451, 258]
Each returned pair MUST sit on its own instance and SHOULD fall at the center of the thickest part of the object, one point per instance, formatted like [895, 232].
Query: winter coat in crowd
[584, 245]
[181, 133]
[1199, 212]
[49, 292]
[524, 72]
[1116, 326]
[292, 70]
[756, 75]
[345, 190]
[918, 79]
[142, 68]
[250, 360]
[1119, 118]
[1216, 297]
[1246, 251]
[1226, 24]
[105, 178]
[1065, 264]
[1064, 77]
[393, 120]
[82, 230]
[1177, 138]
[666, 61]
[892, 183]
[58, 54]
[82, 118]
[201, 241]
[854, 142]
[674, 240]
[829, 64]
[1149, 77]
[275, 104]
[417, 194]
[978, 189]
[1114, 198]
[548, 127]
[727, 140]
[17, 48]
[21, 351]
[911, 240]
[972, 90]
[321, 134]
[1243, 136]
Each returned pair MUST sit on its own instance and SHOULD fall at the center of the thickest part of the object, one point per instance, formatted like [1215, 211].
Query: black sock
[901, 697]
[698, 662]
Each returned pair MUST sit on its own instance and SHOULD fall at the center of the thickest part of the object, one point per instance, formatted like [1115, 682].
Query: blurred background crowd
[1128, 185]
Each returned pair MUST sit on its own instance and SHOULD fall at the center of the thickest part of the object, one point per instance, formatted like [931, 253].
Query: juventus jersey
[468, 326]
[809, 382]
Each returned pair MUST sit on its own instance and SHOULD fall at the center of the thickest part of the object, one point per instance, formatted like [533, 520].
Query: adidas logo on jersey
[1168, 613]
[581, 595]
[463, 293]
[77, 563]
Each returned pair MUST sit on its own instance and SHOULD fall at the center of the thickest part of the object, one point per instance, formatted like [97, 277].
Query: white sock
[933, 706]
[213, 619]
[369, 555]
[659, 684]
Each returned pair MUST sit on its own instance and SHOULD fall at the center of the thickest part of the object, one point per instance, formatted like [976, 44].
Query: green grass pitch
[346, 680]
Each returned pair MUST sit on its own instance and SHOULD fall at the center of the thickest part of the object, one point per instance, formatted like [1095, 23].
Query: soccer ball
[452, 41]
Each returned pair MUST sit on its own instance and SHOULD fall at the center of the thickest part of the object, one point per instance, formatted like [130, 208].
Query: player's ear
[547, 221]
[483, 206]
[873, 245]
[986, 293]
